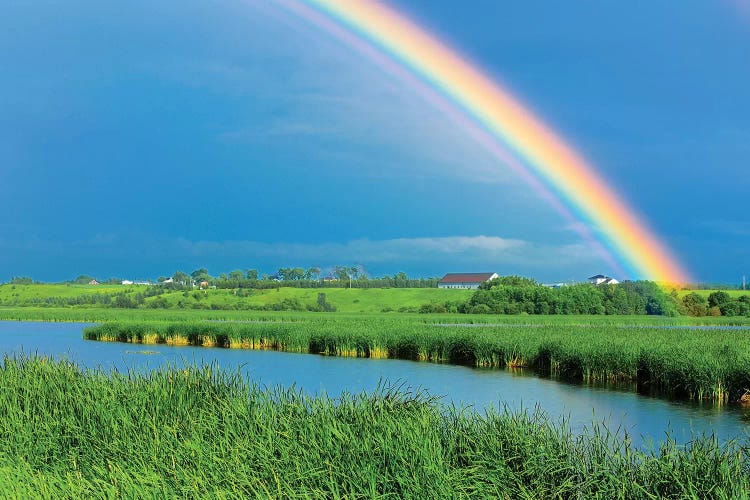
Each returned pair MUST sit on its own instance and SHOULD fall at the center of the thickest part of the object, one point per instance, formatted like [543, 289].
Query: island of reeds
[202, 432]
[672, 360]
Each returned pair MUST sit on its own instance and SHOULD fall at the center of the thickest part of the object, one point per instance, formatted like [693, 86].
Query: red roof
[466, 277]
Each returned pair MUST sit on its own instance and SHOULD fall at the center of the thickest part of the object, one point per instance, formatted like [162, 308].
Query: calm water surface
[645, 419]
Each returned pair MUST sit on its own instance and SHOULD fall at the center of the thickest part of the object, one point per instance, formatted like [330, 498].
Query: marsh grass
[204, 432]
[681, 363]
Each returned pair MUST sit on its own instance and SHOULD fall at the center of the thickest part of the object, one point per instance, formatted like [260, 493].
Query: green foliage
[323, 305]
[200, 275]
[718, 299]
[181, 278]
[517, 281]
[21, 280]
[204, 433]
[716, 303]
[694, 304]
[516, 295]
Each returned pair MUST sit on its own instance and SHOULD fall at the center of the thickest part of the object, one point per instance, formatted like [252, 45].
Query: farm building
[465, 280]
[600, 279]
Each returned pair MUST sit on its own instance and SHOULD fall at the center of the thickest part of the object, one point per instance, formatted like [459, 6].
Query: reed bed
[202, 432]
[682, 363]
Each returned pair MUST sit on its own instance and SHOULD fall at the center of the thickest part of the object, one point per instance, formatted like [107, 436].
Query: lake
[644, 418]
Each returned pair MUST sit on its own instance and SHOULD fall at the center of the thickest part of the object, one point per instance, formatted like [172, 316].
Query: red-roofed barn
[465, 280]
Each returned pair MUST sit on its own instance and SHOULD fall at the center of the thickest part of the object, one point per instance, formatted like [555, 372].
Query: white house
[127, 282]
[465, 280]
[600, 279]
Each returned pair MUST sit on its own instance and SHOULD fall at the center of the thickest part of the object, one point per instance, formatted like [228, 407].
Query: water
[645, 419]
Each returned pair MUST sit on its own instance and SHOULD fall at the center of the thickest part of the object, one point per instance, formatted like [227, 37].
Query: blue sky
[140, 138]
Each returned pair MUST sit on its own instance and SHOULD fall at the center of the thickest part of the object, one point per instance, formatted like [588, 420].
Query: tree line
[718, 303]
[519, 295]
[296, 277]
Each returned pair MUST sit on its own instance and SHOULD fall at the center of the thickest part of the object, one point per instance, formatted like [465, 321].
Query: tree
[181, 278]
[23, 280]
[312, 273]
[201, 275]
[694, 304]
[296, 273]
[718, 299]
[518, 281]
[236, 275]
[341, 272]
[323, 305]
[252, 274]
[400, 279]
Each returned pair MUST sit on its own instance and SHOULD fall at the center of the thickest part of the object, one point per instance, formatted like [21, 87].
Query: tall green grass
[201, 432]
[98, 314]
[683, 363]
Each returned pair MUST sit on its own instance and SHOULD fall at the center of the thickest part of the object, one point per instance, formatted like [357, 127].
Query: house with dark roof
[465, 280]
[600, 279]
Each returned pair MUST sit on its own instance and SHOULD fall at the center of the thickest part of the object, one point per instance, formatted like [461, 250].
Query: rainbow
[512, 126]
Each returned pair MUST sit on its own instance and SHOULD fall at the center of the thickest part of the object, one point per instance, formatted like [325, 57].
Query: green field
[200, 432]
[42, 291]
[355, 300]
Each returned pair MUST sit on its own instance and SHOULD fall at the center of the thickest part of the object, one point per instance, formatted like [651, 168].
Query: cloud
[142, 255]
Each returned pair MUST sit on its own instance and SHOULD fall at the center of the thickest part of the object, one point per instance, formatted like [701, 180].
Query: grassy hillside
[356, 300]
[359, 300]
[42, 291]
